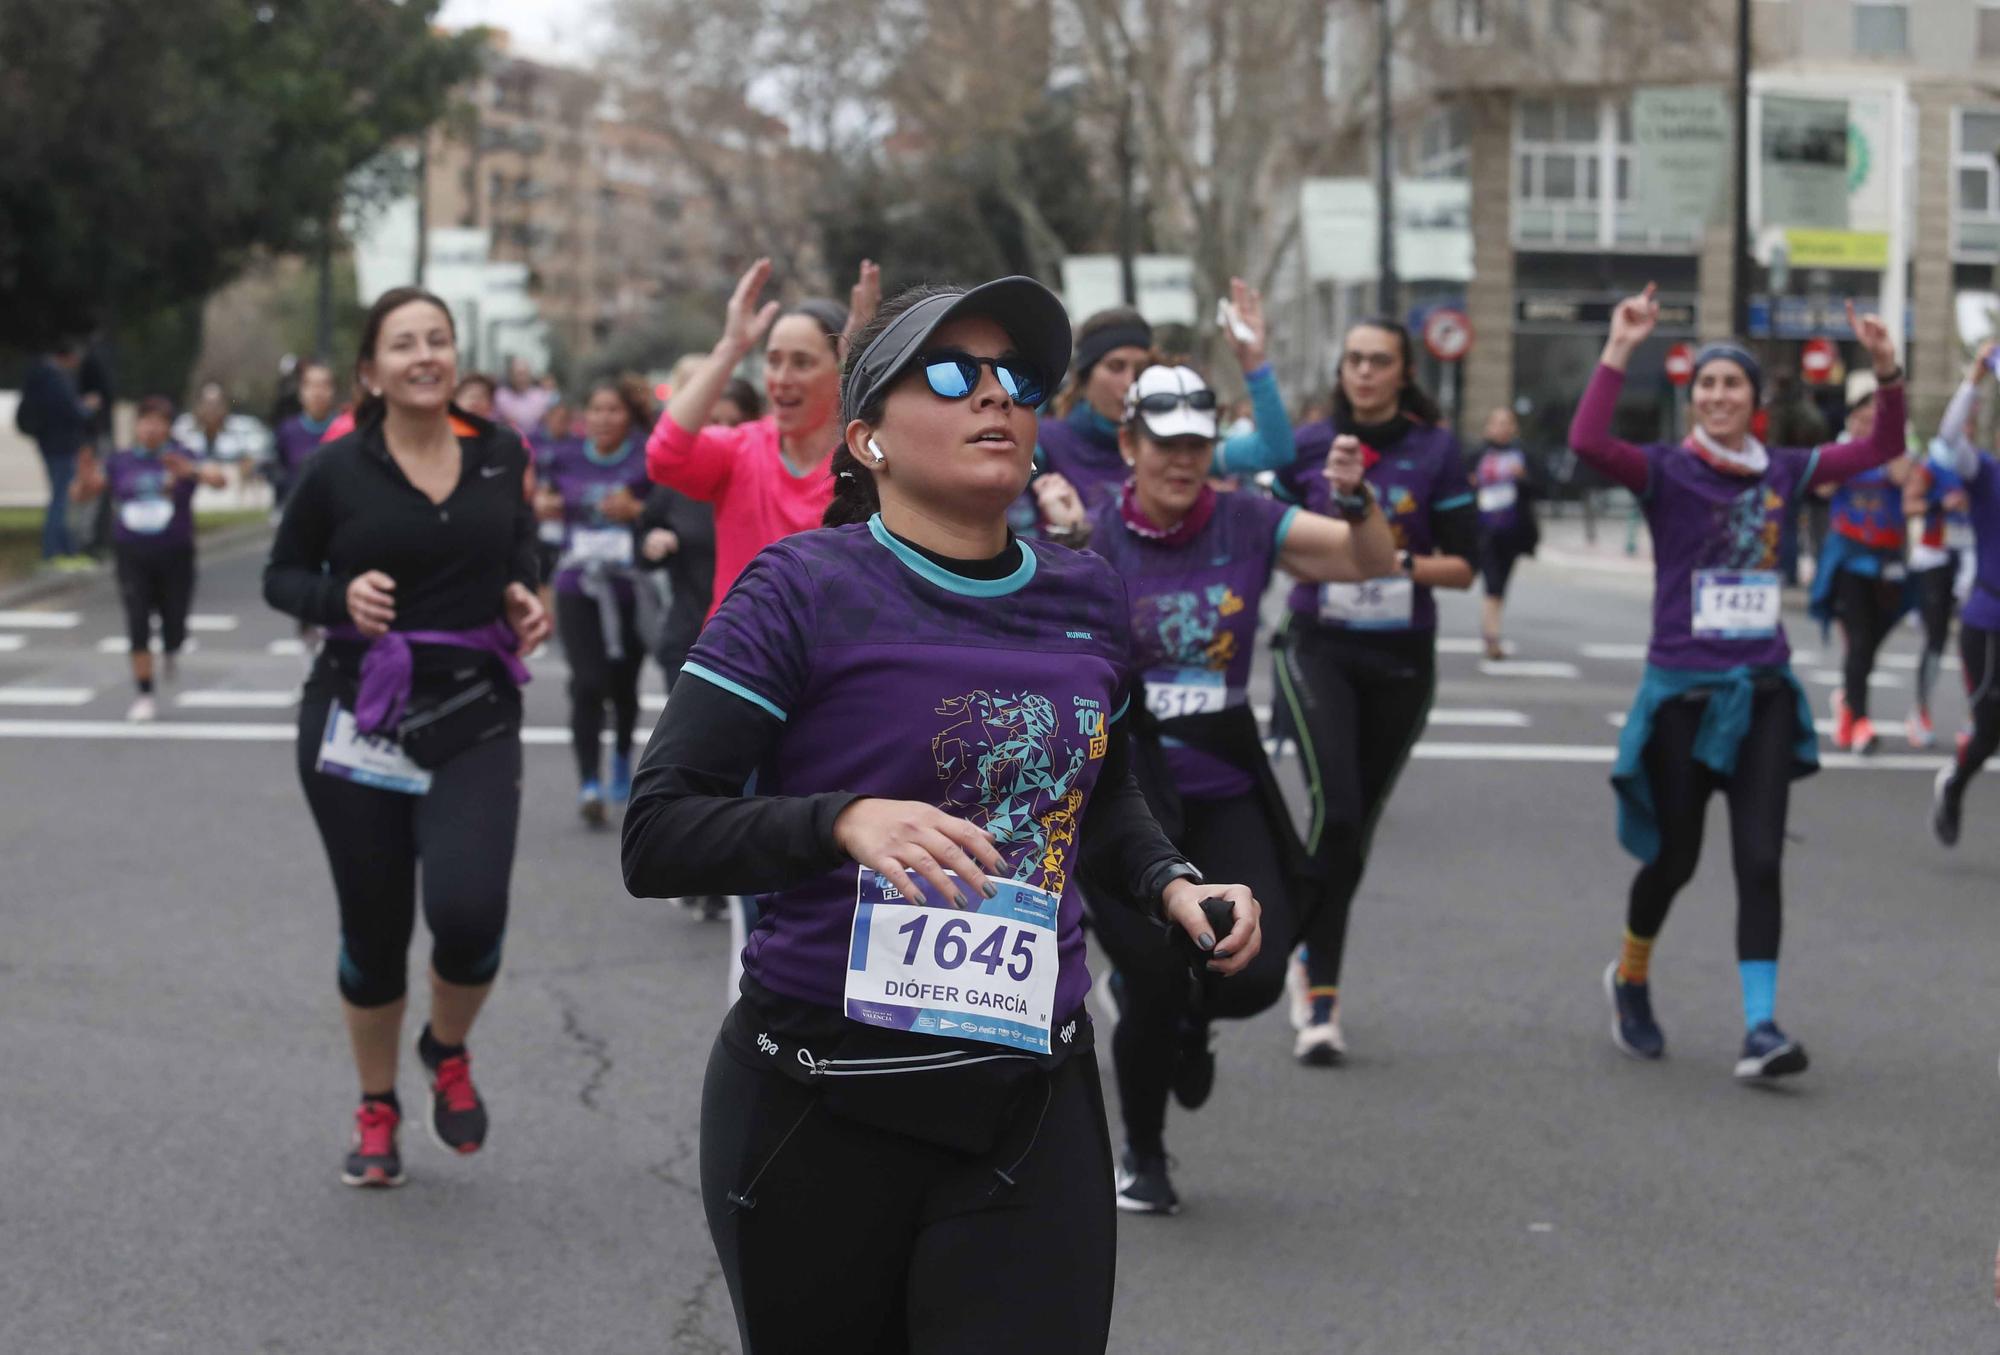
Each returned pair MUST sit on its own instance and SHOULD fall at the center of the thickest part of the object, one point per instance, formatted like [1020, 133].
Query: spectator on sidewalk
[58, 418]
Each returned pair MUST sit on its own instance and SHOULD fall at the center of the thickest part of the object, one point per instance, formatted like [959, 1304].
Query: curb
[44, 587]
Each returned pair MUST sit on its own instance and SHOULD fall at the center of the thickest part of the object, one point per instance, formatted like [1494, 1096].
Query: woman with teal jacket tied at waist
[1719, 707]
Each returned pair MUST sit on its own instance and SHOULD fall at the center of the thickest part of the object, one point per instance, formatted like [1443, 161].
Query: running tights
[1934, 604]
[463, 834]
[1979, 650]
[596, 679]
[1867, 611]
[868, 1242]
[1357, 711]
[1230, 841]
[1758, 794]
[156, 581]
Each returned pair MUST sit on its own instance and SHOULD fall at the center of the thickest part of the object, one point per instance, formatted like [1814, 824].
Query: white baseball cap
[1173, 402]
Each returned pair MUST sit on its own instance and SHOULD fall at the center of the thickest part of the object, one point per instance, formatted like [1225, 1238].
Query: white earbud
[875, 451]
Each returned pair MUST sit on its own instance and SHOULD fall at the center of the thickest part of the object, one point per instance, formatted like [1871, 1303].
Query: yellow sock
[1634, 959]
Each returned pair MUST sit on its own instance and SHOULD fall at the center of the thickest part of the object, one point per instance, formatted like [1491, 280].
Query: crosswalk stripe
[1460, 644]
[1529, 668]
[10, 643]
[27, 620]
[1480, 719]
[1427, 750]
[290, 647]
[1908, 662]
[1607, 651]
[1832, 677]
[213, 621]
[118, 644]
[219, 699]
[46, 696]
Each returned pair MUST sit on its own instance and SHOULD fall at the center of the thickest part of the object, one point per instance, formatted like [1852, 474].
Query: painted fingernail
[1206, 941]
[964, 902]
[992, 891]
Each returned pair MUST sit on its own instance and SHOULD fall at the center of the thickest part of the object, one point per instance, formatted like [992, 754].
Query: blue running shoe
[621, 778]
[1633, 1028]
[1769, 1052]
[590, 803]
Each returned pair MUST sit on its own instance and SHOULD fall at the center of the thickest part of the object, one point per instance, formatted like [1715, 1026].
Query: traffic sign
[1817, 360]
[1447, 334]
[1680, 364]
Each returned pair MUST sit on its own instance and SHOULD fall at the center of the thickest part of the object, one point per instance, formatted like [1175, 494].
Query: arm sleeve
[690, 829]
[296, 579]
[1455, 509]
[1123, 845]
[1268, 445]
[1844, 460]
[697, 463]
[1955, 430]
[1590, 433]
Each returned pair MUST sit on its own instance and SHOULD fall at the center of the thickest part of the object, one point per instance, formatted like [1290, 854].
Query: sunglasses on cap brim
[1166, 402]
[953, 375]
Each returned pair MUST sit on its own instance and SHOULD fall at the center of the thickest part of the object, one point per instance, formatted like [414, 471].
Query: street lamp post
[1739, 272]
[1385, 168]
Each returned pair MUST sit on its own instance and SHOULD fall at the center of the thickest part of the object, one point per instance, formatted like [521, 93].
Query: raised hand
[745, 322]
[1873, 335]
[1248, 304]
[1344, 464]
[862, 300]
[1057, 501]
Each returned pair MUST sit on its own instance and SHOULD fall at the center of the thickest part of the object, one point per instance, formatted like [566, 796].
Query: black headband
[1097, 343]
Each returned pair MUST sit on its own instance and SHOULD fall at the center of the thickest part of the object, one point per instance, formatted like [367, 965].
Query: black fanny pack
[437, 727]
[964, 1096]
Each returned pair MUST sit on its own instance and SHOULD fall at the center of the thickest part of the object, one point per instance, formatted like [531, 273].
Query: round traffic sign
[1817, 360]
[1447, 334]
[1680, 364]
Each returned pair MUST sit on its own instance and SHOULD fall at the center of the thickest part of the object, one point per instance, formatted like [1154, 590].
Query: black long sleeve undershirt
[690, 829]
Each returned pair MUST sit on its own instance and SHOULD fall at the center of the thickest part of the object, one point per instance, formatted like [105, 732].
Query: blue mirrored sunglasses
[954, 376]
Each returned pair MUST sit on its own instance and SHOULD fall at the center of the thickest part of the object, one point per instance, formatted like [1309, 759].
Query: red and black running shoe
[458, 1117]
[373, 1159]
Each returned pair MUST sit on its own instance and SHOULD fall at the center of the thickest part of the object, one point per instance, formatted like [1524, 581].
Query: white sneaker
[1321, 1046]
[1296, 985]
[141, 710]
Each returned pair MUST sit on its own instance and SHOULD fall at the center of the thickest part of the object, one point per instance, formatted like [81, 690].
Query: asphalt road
[1486, 1173]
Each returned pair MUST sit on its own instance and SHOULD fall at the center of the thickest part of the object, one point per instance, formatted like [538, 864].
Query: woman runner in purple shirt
[1718, 708]
[1196, 565]
[1979, 626]
[903, 1142]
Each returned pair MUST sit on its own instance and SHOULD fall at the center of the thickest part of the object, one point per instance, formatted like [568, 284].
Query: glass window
[1590, 179]
[1975, 190]
[1559, 178]
[1979, 133]
[1989, 29]
[1538, 120]
[1881, 28]
[1580, 120]
[1526, 188]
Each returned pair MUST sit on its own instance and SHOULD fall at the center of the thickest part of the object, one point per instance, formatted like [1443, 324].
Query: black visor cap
[1031, 314]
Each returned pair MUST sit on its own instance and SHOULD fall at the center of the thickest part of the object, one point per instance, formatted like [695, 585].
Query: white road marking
[46, 696]
[1529, 668]
[1635, 653]
[653, 701]
[25, 620]
[1908, 662]
[1460, 644]
[1832, 677]
[219, 699]
[212, 621]
[1481, 719]
[10, 643]
[1617, 721]
[1429, 751]
[118, 644]
[291, 648]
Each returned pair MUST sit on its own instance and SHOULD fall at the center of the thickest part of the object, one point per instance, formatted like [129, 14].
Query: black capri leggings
[156, 580]
[872, 1243]
[1497, 557]
[1759, 796]
[596, 679]
[1979, 651]
[1357, 711]
[1867, 611]
[1226, 840]
[463, 833]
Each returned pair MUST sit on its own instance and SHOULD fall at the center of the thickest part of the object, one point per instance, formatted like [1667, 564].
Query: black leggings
[1759, 794]
[1356, 711]
[595, 678]
[1934, 604]
[871, 1243]
[1979, 651]
[1867, 611]
[156, 580]
[1228, 840]
[463, 833]
[1497, 557]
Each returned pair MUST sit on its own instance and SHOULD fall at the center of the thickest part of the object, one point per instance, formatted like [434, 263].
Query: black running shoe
[1633, 1028]
[458, 1117]
[1143, 1185]
[1769, 1052]
[1194, 1063]
[1945, 807]
[372, 1160]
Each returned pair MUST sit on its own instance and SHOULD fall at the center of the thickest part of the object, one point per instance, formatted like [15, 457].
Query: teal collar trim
[944, 578]
[610, 458]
